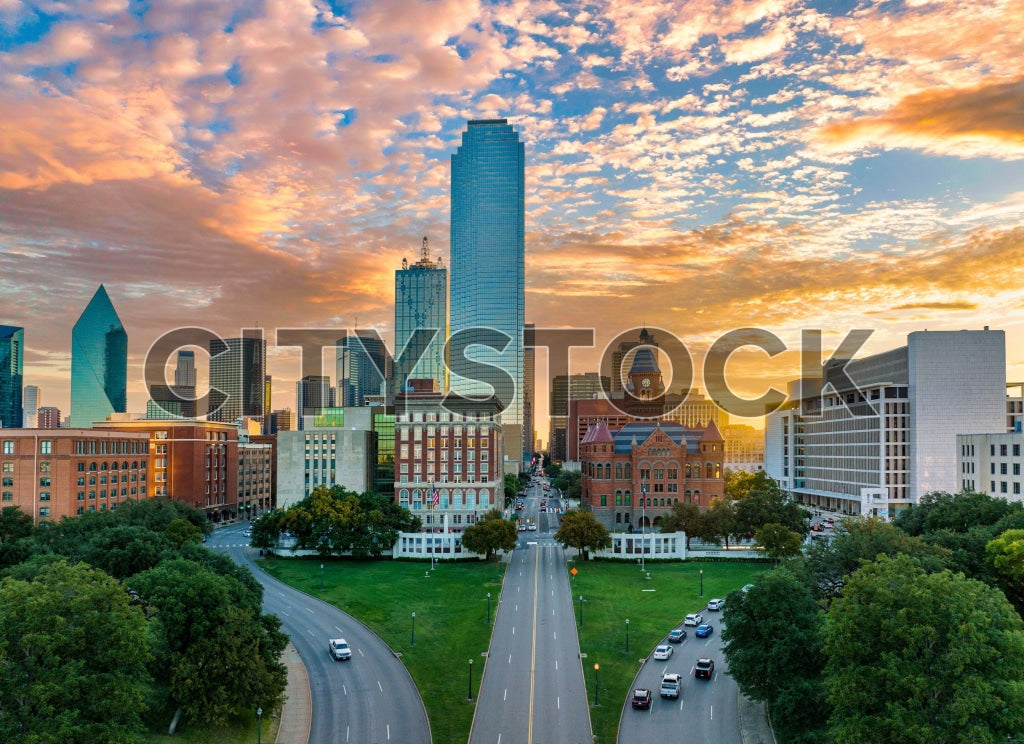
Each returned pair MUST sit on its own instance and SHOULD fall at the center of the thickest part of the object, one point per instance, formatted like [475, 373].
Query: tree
[739, 483]
[947, 651]
[74, 656]
[14, 524]
[581, 530]
[512, 487]
[773, 646]
[491, 533]
[1007, 555]
[688, 518]
[766, 502]
[940, 510]
[778, 541]
[569, 483]
[719, 522]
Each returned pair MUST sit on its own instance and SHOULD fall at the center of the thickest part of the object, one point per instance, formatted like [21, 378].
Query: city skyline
[695, 167]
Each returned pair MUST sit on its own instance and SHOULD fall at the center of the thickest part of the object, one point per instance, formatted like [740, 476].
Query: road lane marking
[711, 712]
[344, 690]
[504, 698]
[556, 665]
[533, 658]
[310, 632]
[309, 610]
[389, 731]
[510, 658]
[558, 703]
[379, 687]
[360, 652]
[348, 733]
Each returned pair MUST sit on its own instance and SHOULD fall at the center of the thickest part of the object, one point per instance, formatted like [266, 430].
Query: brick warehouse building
[51, 474]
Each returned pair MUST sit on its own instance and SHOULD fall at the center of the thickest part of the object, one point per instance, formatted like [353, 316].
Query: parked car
[339, 649]
[704, 669]
[671, 684]
[641, 698]
[716, 604]
[704, 631]
[676, 635]
[694, 619]
[663, 652]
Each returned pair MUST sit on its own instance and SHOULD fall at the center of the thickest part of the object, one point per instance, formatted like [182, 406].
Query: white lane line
[348, 732]
[711, 712]
[379, 687]
[555, 634]
[505, 696]
[309, 610]
[360, 652]
[556, 665]
[338, 629]
[558, 703]
[513, 630]
[510, 658]
[389, 731]
[310, 632]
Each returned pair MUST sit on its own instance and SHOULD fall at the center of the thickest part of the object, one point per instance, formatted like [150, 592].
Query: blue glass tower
[12, 353]
[99, 363]
[487, 265]
[421, 301]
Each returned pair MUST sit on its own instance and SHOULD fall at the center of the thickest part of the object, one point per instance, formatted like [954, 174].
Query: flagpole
[643, 520]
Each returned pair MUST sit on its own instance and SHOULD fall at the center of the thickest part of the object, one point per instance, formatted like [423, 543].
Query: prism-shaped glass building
[99, 363]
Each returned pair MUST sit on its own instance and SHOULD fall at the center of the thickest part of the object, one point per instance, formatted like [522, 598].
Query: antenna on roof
[426, 251]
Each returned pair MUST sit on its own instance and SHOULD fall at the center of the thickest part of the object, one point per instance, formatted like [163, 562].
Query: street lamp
[643, 520]
[259, 725]
[581, 610]
[470, 696]
[412, 637]
[702, 582]
[597, 667]
[321, 577]
[627, 635]
[488, 608]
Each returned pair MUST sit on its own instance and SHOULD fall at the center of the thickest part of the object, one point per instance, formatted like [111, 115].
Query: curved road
[369, 700]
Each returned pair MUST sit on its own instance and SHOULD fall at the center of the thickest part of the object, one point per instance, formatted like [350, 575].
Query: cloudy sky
[693, 166]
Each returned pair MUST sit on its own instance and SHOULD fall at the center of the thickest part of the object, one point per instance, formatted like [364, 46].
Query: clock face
[646, 382]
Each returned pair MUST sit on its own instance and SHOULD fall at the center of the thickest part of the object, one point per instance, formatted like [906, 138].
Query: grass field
[451, 621]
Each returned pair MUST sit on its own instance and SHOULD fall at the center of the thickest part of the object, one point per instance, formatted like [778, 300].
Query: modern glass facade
[384, 473]
[362, 368]
[237, 371]
[487, 265]
[12, 353]
[421, 301]
[99, 363]
[312, 393]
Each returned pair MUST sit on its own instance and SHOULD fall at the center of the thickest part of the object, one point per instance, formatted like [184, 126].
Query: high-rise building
[237, 372]
[30, 403]
[12, 353]
[421, 302]
[313, 392]
[48, 417]
[487, 270]
[99, 363]
[362, 368]
[185, 382]
[582, 386]
[876, 434]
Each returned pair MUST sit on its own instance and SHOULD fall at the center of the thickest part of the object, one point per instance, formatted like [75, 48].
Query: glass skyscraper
[487, 266]
[421, 301]
[237, 370]
[99, 363]
[362, 366]
[12, 361]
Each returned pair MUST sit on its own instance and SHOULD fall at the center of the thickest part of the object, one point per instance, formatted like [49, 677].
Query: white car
[694, 619]
[339, 649]
[663, 652]
[716, 604]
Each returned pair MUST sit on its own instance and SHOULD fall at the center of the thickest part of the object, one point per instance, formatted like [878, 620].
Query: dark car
[677, 635]
[704, 669]
[641, 698]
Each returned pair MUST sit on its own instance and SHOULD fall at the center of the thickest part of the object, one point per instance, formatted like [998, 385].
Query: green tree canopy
[960, 512]
[778, 541]
[1007, 555]
[581, 530]
[491, 533]
[688, 518]
[14, 524]
[765, 502]
[945, 653]
[73, 654]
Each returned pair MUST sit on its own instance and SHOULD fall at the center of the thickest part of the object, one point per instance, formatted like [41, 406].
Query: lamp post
[321, 577]
[470, 695]
[702, 582]
[412, 636]
[488, 608]
[581, 610]
[597, 668]
[627, 635]
[643, 519]
[259, 725]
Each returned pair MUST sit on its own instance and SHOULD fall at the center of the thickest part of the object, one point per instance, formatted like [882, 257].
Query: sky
[694, 167]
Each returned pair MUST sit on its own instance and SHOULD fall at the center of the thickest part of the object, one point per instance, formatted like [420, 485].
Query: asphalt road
[368, 700]
[705, 712]
[533, 691]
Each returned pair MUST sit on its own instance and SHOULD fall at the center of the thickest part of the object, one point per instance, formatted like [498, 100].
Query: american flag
[437, 498]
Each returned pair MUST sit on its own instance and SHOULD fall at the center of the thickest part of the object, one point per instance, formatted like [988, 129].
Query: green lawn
[451, 627]
[234, 733]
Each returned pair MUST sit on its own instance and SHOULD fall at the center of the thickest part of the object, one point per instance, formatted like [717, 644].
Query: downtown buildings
[12, 360]
[99, 363]
[421, 304]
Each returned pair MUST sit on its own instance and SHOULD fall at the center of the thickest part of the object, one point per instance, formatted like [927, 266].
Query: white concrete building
[325, 456]
[991, 463]
[877, 438]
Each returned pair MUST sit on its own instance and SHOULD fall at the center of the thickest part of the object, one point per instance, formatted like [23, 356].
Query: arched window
[629, 497]
[686, 497]
[618, 471]
[92, 467]
[689, 470]
[113, 465]
[104, 466]
[485, 497]
[709, 470]
[629, 471]
[618, 499]
[718, 470]
[124, 465]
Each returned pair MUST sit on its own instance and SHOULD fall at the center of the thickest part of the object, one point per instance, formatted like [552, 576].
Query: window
[45, 447]
[44, 495]
[8, 482]
[44, 466]
[44, 482]
[8, 496]
[44, 511]
[8, 446]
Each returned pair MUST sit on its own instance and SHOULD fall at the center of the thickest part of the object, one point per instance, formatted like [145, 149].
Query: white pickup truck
[339, 649]
[671, 683]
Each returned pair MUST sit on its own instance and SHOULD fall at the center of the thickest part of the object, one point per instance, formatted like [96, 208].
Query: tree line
[112, 621]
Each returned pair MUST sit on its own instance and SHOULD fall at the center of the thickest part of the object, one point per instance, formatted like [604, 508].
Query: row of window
[624, 471]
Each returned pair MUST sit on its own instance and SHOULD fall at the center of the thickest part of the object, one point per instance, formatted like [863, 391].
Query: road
[705, 712]
[533, 690]
[369, 700]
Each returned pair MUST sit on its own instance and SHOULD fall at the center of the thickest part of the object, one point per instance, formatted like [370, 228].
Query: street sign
[573, 571]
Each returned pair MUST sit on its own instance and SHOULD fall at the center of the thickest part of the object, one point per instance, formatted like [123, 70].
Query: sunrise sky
[692, 166]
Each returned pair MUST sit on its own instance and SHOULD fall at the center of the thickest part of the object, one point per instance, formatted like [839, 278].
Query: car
[247, 533]
[704, 669]
[676, 635]
[671, 684]
[694, 619]
[641, 698]
[716, 604]
[663, 652]
[531, 527]
[746, 588]
[704, 630]
[339, 649]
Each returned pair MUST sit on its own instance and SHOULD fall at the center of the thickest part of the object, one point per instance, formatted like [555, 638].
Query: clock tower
[645, 392]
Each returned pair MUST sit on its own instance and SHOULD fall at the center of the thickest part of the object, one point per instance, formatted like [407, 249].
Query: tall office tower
[487, 259]
[312, 393]
[421, 301]
[30, 403]
[99, 363]
[362, 368]
[48, 417]
[583, 386]
[12, 353]
[185, 382]
[237, 371]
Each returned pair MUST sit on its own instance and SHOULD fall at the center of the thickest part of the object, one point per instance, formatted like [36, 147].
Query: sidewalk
[297, 711]
[753, 720]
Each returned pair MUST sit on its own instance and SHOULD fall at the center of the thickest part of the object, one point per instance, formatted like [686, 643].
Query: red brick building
[51, 474]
